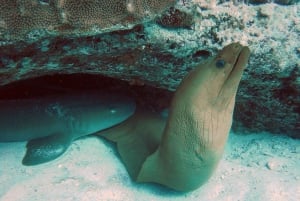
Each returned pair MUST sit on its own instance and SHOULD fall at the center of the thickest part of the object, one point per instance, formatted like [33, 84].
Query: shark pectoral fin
[45, 149]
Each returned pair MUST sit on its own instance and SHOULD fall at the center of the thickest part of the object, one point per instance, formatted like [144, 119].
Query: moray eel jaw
[198, 124]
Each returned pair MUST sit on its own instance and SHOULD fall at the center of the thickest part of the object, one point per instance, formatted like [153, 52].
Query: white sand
[254, 167]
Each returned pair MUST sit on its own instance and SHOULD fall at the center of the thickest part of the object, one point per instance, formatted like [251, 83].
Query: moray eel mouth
[232, 57]
[242, 57]
[229, 66]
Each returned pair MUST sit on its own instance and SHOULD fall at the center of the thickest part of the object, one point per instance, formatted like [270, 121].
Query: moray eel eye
[220, 63]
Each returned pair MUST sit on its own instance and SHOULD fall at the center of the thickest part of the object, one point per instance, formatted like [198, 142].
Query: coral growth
[212, 3]
[19, 17]
[175, 18]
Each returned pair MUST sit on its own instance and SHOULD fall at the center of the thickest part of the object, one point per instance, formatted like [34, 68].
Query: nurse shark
[51, 123]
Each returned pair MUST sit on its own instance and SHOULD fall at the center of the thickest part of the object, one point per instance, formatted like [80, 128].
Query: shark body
[51, 123]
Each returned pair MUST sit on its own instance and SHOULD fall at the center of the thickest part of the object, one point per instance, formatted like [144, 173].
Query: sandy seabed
[254, 167]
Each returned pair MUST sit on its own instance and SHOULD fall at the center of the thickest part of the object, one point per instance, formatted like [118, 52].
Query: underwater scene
[133, 100]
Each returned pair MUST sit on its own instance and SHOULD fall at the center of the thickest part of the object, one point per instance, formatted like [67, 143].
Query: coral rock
[24, 18]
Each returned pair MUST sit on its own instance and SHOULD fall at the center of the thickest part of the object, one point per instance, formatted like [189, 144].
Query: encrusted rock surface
[160, 52]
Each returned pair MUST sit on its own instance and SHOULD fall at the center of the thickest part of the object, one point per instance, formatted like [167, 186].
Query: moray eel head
[216, 81]
[229, 66]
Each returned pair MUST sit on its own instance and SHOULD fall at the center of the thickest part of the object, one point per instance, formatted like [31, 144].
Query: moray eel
[51, 123]
[183, 150]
